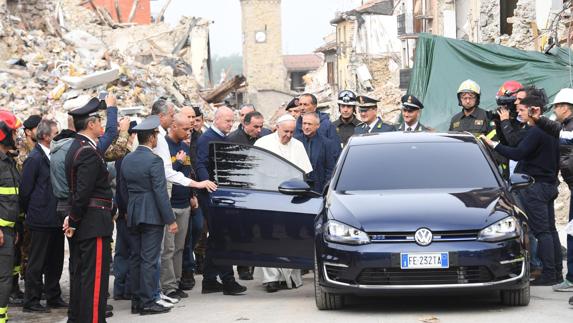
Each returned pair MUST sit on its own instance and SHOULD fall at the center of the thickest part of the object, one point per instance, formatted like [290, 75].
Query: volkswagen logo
[423, 236]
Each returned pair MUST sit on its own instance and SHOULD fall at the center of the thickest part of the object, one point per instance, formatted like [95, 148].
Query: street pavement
[297, 305]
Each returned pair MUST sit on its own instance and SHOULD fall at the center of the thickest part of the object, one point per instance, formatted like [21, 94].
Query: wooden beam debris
[221, 91]
[133, 10]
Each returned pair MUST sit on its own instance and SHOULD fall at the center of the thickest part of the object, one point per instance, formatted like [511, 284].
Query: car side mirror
[519, 181]
[294, 187]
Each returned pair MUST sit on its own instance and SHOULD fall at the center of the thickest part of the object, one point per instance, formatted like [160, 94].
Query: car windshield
[392, 166]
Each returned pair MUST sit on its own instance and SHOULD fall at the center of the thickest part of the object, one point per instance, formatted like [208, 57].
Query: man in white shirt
[283, 144]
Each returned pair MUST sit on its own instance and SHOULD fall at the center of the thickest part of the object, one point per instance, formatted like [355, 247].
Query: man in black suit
[45, 226]
[89, 223]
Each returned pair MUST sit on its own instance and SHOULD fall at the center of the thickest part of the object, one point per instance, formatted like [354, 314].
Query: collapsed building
[56, 53]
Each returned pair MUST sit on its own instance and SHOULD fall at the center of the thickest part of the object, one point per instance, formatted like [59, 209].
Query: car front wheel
[324, 300]
[516, 297]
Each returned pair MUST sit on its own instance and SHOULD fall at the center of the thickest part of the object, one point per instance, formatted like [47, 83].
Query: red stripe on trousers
[97, 282]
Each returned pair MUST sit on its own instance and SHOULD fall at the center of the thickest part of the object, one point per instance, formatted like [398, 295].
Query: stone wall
[262, 61]
[523, 16]
[35, 14]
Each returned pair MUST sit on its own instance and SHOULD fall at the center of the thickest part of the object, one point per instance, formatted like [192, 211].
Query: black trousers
[46, 259]
[90, 260]
[211, 270]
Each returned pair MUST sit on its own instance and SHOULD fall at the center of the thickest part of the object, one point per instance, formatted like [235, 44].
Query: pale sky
[304, 22]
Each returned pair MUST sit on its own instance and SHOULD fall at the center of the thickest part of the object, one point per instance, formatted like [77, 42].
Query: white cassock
[295, 153]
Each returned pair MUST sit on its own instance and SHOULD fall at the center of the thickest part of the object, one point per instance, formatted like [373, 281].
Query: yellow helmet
[469, 86]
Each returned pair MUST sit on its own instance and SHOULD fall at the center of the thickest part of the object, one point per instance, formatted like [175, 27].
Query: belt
[100, 203]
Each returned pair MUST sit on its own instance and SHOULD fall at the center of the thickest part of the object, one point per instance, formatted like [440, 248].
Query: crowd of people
[150, 181]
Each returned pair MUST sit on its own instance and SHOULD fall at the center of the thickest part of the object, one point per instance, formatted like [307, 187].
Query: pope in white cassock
[283, 144]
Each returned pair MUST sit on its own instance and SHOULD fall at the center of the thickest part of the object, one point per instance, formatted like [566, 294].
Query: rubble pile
[385, 83]
[52, 67]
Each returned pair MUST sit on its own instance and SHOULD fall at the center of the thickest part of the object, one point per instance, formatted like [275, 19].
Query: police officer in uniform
[411, 110]
[347, 121]
[89, 223]
[368, 109]
[472, 118]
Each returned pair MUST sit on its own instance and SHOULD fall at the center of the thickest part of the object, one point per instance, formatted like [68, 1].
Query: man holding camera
[538, 154]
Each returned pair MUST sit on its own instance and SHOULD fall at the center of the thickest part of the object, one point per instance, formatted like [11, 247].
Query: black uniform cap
[147, 124]
[32, 121]
[292, 104]
[89, 109]
[410, 102]
[366, 101]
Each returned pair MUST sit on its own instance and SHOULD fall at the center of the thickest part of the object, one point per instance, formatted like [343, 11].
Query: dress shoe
[544, 281]
[108, 308]
[135, 307]
[178, 294]
[272, 287]
[233, 288]
[35, 308]
[172, 300]
[211, 287]
[535, 273]
[154, 309]
[57, 303]
[122, 297]
[108, 314]
[187, 281]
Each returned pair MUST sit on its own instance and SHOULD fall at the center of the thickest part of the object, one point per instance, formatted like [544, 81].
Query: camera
[507, 101]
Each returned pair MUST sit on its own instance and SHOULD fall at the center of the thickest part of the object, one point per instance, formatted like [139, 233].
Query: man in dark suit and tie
[371, 122]
[411, 111]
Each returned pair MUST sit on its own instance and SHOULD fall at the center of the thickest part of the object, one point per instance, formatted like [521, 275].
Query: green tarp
[441, 64]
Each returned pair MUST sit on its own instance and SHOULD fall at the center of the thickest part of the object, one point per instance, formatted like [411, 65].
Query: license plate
[423, 260]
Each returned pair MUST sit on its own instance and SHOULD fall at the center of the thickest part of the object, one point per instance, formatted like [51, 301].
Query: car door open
[250, 222]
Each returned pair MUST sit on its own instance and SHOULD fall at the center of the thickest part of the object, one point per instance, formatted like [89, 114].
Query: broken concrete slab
[92, 80]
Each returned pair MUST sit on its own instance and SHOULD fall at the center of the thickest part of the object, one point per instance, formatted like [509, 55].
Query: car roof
[411, 137]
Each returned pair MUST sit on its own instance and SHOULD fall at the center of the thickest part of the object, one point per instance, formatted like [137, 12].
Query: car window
[391, 166]
[249, 167]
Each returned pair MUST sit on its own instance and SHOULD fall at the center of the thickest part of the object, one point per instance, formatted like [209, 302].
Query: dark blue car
[404, 212]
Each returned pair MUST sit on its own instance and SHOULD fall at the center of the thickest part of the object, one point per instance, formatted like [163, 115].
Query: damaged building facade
[372, 47]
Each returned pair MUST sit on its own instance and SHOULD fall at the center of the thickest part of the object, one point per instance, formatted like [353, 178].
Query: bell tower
[262, 46]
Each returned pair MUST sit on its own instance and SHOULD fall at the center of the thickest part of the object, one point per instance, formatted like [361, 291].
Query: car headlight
[335, 231]
[501, 230]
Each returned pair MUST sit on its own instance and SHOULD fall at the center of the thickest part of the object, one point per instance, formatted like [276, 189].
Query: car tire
[324, 300]
[516, 297]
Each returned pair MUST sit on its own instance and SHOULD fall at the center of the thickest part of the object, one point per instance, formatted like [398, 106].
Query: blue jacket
[326, 129]
[36, 196]
[143, 174]
[323, 154]
[180, 195]
[208, 136]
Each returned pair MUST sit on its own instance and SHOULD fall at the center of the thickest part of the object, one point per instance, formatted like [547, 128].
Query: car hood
[408, 210]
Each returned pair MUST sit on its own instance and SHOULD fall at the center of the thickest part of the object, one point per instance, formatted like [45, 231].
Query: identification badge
[479, 122]
[456, 124]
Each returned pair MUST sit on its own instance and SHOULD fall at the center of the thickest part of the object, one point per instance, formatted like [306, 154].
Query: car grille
[409, 236]
[452, 275]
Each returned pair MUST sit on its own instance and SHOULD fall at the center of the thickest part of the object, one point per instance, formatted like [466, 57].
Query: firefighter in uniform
[347, 121]
[472, 118]
[368, 108]
[411, 110]
[9, 207]
[89, 224]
